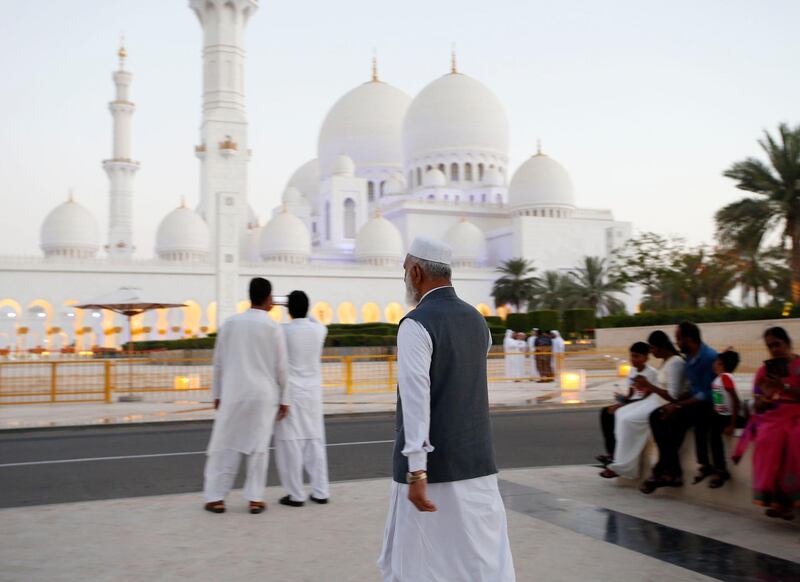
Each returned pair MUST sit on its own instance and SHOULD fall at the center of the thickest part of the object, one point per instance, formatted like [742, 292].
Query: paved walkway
[564, 524]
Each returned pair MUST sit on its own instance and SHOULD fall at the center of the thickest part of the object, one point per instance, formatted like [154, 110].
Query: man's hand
[418, 495]
[283, 411]
[216, 403]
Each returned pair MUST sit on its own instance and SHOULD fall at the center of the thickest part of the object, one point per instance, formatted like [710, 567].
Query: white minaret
[121, 168]
[223, 150]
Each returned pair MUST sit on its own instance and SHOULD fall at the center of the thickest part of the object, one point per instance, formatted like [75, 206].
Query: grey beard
[411, 294]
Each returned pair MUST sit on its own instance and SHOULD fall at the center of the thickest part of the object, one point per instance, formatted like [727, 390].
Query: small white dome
[306, 179]
[344, 166]
[366, 123]
[285, 239]
[293, 196]
[434, 178]
[379, 243]
[541, 181]
[455, 113]
[182, 236]
[394, 185]
[248, 244]
[70, 230]
[493, 178]
[468, 243]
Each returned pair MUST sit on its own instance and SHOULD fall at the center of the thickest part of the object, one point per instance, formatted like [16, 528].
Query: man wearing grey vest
[446, 518]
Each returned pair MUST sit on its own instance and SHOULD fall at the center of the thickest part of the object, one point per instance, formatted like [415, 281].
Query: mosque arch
[480, 171]
[323, 312]
[468, 172]
[383, 184]
[419, 177]
[484, 309]
[394, 312]
[454, 173]
[442, 168]
[371, 191]
[346, 312]
[191, 317]
[211, 317]
[370, 312]
[349, 218]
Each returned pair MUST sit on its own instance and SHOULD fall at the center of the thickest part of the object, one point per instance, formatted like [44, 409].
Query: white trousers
[292, 456]
[631, 429]
[221, 469]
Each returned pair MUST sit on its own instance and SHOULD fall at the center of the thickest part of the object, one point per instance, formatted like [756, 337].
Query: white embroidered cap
[431, 249]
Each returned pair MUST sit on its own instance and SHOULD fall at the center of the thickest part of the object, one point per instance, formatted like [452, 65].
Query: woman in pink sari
[775, 429]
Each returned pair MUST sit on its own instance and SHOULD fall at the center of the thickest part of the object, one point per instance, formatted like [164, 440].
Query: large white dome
[285, 239]
[69, 230]
[468, 243]
[379, 243]
[306, 179]
[455, 114]
[182, 235]
[541, 182]
[365, 124]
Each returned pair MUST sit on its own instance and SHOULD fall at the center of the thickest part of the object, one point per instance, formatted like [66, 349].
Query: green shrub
[578, 321]
[675, 316]
[199, 343]
[493, 320]
[544, 319]
[519, 322]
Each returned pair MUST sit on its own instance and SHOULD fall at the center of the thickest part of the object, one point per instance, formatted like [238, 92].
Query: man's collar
[432, 290]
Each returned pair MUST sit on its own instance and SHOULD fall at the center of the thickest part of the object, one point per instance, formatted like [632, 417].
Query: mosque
[388, 167]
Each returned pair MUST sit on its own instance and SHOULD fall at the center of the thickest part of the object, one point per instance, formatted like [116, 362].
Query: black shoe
[320, 501]
[287, 500]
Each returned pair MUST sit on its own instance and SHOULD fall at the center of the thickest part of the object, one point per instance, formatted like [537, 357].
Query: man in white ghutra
[446, 518]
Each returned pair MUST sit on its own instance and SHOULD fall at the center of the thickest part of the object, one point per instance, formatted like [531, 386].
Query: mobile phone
[282, 300]
[778, 367]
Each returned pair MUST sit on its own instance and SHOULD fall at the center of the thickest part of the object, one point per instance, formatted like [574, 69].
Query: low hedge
[199, 343]
[519, 321]
[493, 320]
[358, 341]
[545, 319]
[675, 316]
[578, 321]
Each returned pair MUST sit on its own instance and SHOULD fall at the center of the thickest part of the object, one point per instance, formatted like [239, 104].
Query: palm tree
[517, 284]
[554, 291]
[778, 184]
[595, 288]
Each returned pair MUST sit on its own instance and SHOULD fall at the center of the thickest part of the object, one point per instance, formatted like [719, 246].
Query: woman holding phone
[775, 428]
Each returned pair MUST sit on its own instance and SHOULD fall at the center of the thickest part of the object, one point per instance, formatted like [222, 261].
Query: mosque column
[121, 169]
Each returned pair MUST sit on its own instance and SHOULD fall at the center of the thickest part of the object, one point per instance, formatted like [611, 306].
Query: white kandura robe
[632, 421]
[530, 346]
[514, 357]
[300, 437]
[558, 347]
[466, 539]
[250, 379]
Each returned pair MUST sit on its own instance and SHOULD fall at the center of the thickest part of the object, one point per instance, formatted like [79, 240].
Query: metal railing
[159, 377]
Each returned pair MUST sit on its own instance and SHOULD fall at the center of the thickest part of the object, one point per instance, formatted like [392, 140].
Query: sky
[644, 103]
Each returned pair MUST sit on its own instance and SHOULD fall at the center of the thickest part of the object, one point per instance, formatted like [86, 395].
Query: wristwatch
[411, 478]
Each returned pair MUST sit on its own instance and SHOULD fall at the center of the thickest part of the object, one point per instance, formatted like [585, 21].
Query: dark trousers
[669, 433]
[607, 426]
[544, 365]
[710, 431]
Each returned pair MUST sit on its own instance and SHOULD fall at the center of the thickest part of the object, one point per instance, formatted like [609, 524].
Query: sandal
[651, 485]
[719, 479]
[604, 460]
[257, 507]
[608, 474]
[215, 506]
[704, 472]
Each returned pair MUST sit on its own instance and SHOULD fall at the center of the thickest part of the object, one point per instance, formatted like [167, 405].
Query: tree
[778, 184]
[596, 288]
[648, 260]
[554, 291]
[517, 284]
[741, 229]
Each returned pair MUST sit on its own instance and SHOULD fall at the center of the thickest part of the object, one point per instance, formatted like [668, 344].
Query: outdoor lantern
[573, 386]
[624, 369]
[191, 382]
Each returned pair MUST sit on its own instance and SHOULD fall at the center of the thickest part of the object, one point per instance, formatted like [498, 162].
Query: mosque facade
[388, 167]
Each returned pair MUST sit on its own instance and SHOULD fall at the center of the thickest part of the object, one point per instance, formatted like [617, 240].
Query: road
[57, 466]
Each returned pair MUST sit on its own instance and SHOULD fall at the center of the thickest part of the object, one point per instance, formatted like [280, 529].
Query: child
[639, 353]
[724, 418]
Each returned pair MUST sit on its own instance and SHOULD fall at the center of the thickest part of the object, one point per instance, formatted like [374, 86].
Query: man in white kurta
[250, 391]
[446, 530]
[300, 437]
[513, 356]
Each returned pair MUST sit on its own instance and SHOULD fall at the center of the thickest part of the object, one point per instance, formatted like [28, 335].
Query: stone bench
[735, 494]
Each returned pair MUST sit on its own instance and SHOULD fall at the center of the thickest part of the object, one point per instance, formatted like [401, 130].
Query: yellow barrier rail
[159, 377]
